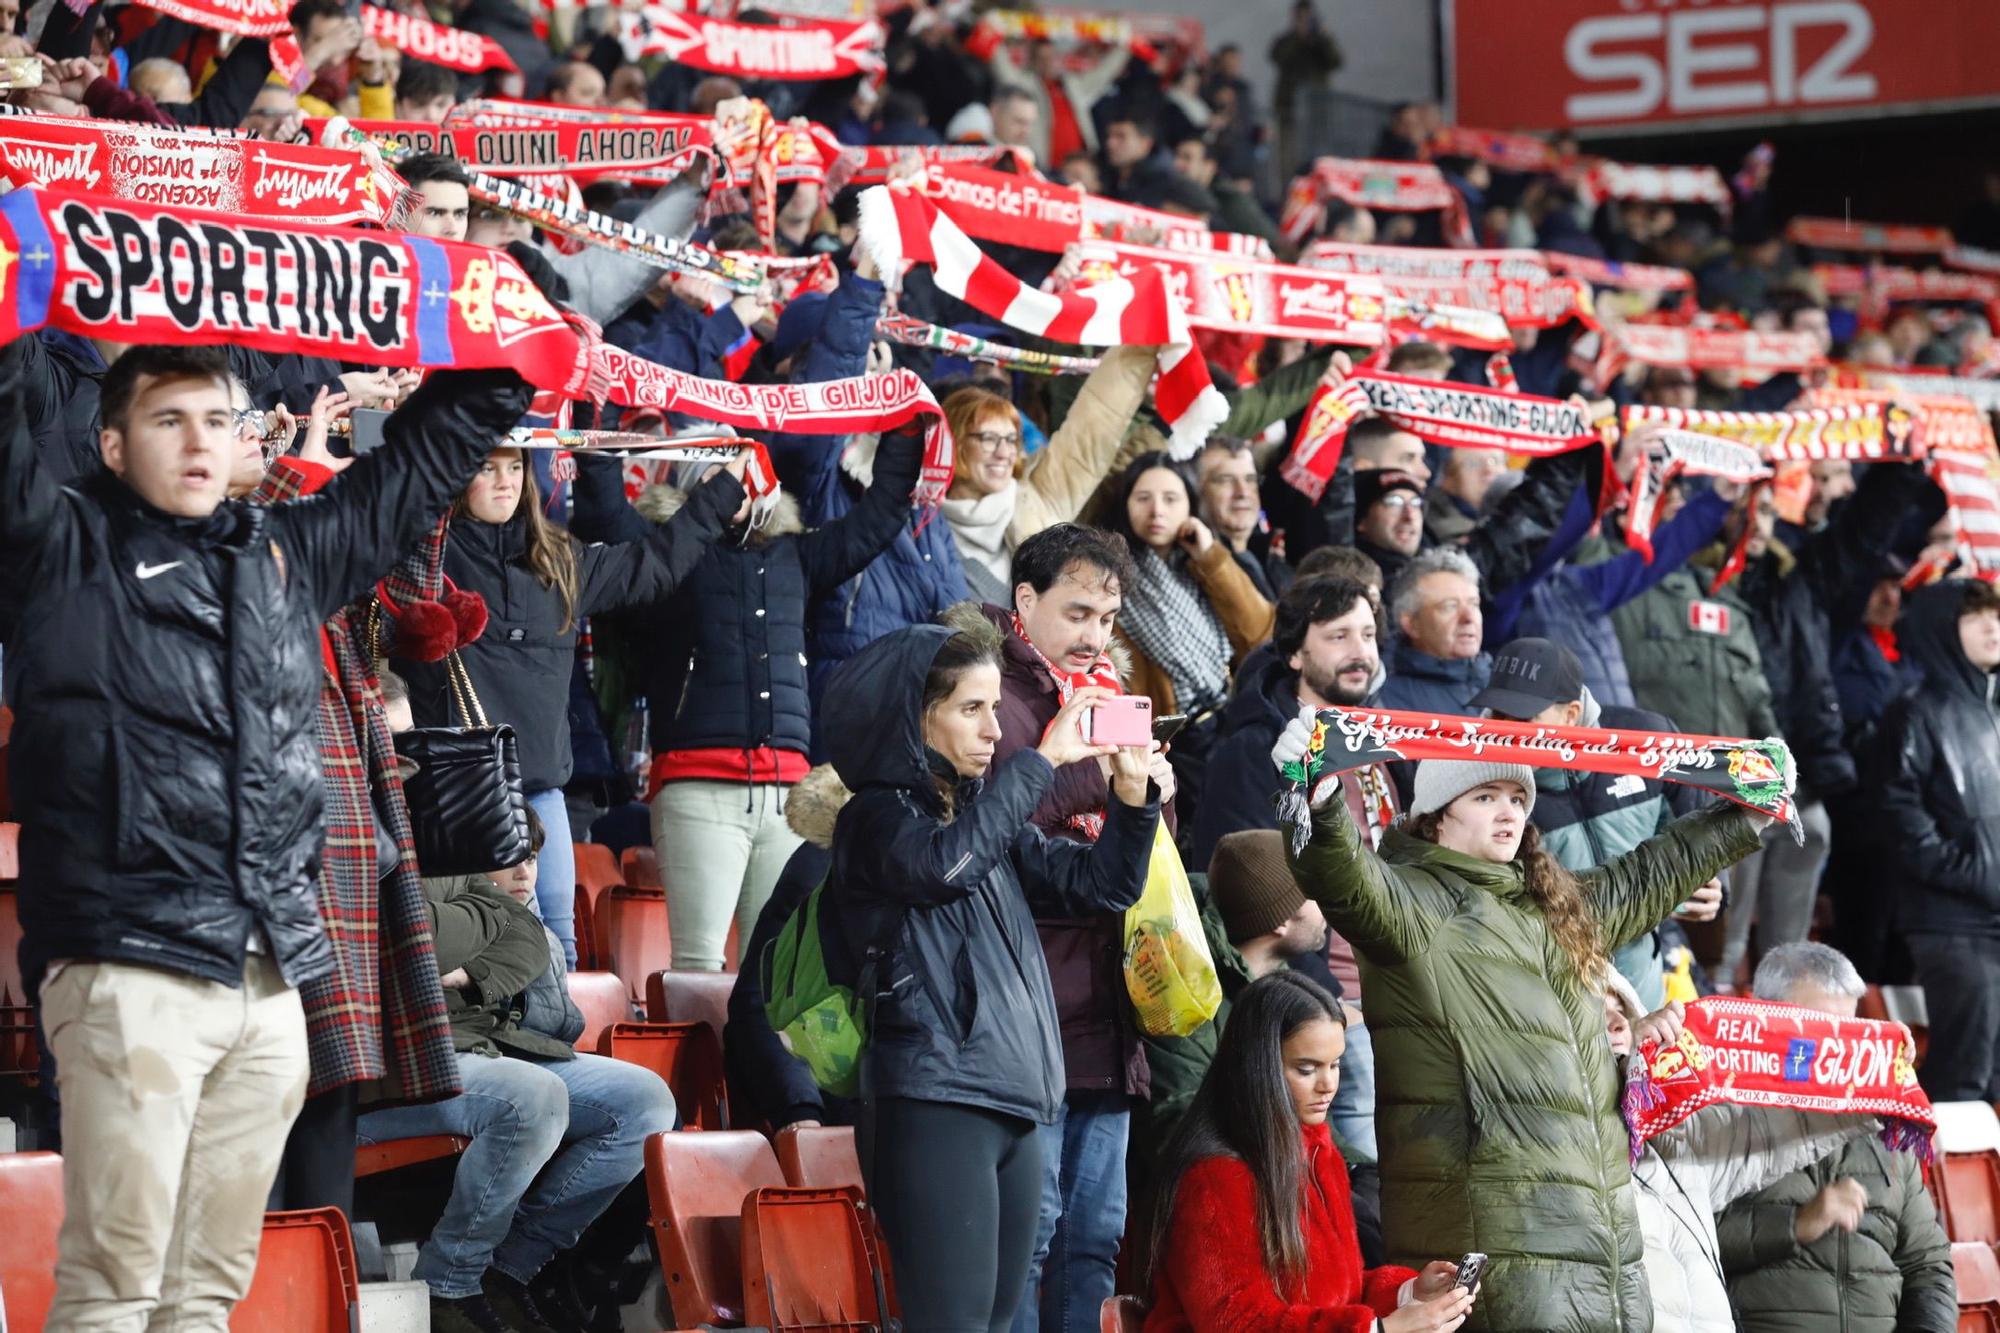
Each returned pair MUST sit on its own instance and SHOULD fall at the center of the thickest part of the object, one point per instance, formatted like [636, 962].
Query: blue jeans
[555, 874]
[1075, 1267]
[553, 1141]
[1353, 1113]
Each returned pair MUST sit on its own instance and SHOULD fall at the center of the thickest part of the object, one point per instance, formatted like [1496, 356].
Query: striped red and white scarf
[899, 225]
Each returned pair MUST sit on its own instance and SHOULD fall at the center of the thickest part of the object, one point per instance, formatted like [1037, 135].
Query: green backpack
[809, 994]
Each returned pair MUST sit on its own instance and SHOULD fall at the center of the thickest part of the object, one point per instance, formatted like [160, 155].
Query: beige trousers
[177, 1095]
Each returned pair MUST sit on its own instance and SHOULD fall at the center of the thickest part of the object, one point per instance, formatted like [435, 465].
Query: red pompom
[425, 632]
[468, 612]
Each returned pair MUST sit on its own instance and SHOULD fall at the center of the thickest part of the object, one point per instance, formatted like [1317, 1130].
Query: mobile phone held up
[1469, 1269]
[1124, 721]
[1168, 725]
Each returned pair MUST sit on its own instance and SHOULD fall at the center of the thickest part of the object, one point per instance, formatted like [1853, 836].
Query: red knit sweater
[1211, 1274]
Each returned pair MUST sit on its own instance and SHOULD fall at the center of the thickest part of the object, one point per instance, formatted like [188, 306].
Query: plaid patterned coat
[381, 1012]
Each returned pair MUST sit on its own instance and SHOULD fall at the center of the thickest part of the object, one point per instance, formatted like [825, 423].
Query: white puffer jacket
[1695, 1170]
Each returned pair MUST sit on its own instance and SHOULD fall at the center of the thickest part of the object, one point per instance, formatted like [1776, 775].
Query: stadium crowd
[261, 608]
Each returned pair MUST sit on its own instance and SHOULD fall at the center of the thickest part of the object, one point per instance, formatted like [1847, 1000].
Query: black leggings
[957, 1190]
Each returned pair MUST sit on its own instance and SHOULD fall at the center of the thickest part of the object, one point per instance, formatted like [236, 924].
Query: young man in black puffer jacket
[164, 668]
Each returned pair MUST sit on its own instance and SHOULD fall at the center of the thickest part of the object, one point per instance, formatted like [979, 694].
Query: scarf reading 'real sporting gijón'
[1754, 774]
[1747, 1052]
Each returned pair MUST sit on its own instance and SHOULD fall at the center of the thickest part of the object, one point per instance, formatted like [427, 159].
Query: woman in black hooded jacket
[937, 878]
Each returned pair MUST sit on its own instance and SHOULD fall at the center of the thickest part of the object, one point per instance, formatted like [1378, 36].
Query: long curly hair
[1571, 919]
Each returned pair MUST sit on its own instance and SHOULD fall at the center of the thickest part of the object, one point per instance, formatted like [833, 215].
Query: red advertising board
[1607, 63]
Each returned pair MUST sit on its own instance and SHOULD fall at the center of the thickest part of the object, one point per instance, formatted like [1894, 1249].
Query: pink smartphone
[1123, 721]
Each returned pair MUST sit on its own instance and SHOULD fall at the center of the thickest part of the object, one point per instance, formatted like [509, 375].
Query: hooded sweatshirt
[1939, 775]
[938, 894]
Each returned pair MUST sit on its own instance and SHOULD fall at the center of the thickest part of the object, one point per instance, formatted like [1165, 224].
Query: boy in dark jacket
[1939, 778]
[555, 1134]
[164, 669]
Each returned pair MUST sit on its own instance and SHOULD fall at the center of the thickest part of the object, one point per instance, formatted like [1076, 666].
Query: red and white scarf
[1523, 154]
[1889, 238]
[1968, 485]
[800, 50]
[251, 18]
[1672, 454]
[1624, 277]
[1758, 354]
[1746, 1052]
[1244, 296]
[1515, 283]
[1462, 415]
[1099, 674]
[651, 154]
[1603, 179]
[1865, 432]
[1885, 285]
[420, 39]
[899, 225]
[1395, 187]
[224, 173]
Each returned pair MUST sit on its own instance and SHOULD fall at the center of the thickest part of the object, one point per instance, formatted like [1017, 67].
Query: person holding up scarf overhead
[538, 582]
[1480, 956]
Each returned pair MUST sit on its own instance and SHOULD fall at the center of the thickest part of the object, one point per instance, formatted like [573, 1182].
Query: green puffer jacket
[1894, 1275]
[1494, 1084]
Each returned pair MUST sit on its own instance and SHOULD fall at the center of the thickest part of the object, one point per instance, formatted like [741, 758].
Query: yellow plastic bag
[1168, 970]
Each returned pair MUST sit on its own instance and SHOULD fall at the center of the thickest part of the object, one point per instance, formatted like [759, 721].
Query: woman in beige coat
[1000, 497]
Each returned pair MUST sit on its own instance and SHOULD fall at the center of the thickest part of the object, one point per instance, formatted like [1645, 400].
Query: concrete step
[395, 1307]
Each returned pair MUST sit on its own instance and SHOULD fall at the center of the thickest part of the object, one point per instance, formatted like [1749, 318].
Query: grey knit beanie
[1439, 782]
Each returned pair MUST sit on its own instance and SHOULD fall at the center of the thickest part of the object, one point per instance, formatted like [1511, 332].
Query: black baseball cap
[1528, 676]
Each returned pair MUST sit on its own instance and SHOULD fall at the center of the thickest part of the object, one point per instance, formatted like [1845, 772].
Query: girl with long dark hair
[1481, 957]
[1191, 614]
[538, 582]
[937, 876]
[1255, 1227]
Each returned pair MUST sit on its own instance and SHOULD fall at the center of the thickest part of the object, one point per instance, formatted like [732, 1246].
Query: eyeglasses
[1401, 500]
[993, 441]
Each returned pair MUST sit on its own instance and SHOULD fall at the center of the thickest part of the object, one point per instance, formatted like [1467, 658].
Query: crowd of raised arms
[1268, 741]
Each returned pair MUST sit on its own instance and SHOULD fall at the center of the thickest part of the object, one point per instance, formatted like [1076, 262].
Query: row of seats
[621, 913]
[307, 1280]
[767, 1235]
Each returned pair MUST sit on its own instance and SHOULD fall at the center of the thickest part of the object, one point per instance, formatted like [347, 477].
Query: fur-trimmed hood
[970, 614]
[657, 504]
[813, 804]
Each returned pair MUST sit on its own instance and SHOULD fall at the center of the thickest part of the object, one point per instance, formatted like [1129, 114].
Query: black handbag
[467, 810]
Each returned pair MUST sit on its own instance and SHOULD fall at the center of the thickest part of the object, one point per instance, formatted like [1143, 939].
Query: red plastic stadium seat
[1968, 1184]
[807, 1262]
[695, 1186]
[687, 1055]
[1121, 1314]
[1978, 1271]
[31, 1213]
[631, 935]
[307, 1280]
[17, 1020]
[372, 1159]
[10, 851]
[597, 874]
[690, 997]
[819, 1157]
[603, 999]
[641, 869]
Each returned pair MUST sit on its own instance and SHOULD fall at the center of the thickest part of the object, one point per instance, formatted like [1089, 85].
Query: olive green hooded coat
[1494, 1081]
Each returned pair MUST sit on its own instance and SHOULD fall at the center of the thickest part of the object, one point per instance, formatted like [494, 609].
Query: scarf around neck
[980, 526]
[1172, 621]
